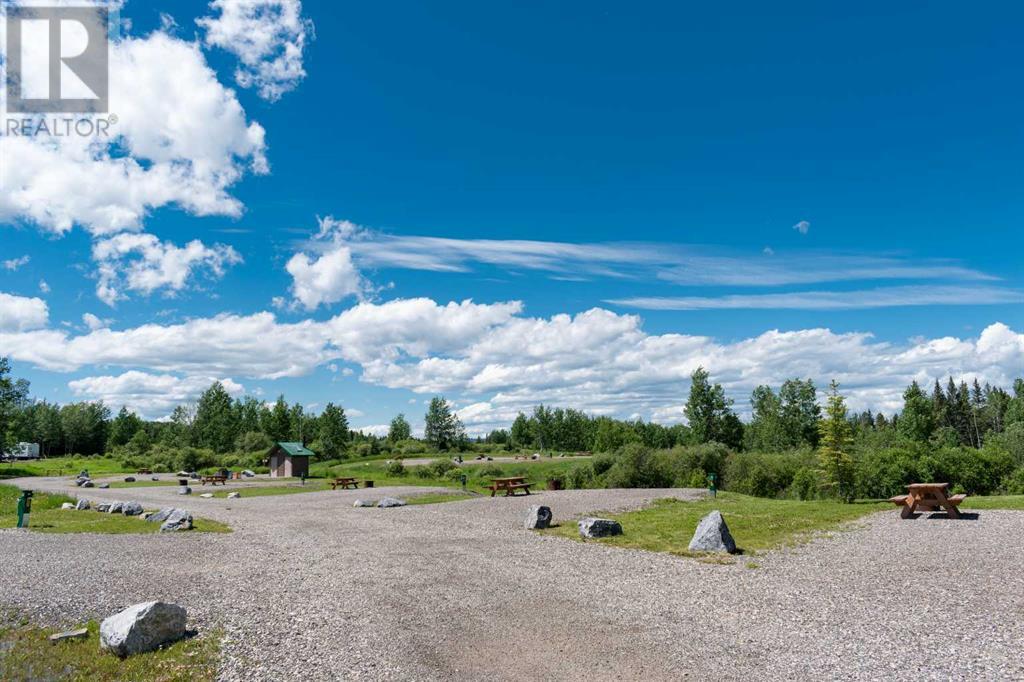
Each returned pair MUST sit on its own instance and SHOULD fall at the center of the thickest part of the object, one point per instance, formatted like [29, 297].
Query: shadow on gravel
[941, 516]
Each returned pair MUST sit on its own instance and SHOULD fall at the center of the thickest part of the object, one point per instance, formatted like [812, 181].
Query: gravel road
[308, 587]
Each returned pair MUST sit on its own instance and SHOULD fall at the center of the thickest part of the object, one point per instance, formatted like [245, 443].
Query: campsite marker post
[24, 508]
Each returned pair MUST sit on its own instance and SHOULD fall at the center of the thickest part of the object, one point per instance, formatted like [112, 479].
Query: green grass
[756, 524]
[48, 517]
[27, 654]
[63, 466]
[993, 502]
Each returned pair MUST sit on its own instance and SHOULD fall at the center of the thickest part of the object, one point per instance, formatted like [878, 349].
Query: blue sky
[717, 173]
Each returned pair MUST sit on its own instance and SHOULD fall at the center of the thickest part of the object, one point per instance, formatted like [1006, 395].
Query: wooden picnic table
[214, 480]
[928, 497]
[344, 482]
[510, 485]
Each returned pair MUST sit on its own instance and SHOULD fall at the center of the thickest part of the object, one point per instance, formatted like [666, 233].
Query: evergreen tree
[917, 420]
[835, 440]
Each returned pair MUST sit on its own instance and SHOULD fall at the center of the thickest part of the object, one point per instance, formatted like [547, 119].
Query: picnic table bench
[510, 485]
[344, 482]
[928, 497]
[214, 480]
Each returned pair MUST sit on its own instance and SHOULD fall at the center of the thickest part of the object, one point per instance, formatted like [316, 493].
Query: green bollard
[711, 485]
[24, 508]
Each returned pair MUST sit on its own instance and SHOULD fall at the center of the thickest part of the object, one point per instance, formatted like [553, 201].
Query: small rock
[88, 484]
[129, 479]
[104, 486]
[178, 520]
[80, 633]
[248, 473]
[599, 528]
[82, 504]
[712, 535]
[103, 507]
[539, 516]
[364, 503]
[143, 627]
[234, 495]
[391, 502]
[206, 496]
[116, 508]
[184, 490]
[155, 478]
[67, 505]
[131, 509]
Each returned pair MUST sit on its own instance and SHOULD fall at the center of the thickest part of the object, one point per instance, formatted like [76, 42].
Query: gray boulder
[234, 495]
[143, 627]
[206, 496]
[184, 490]
[103, 507]
[131, 509]
[88, 484]
[391, 502]
[160, 516]
[178, 520]
[712, 535]
[67, 505]
[364, 503]
[155, 478]
[116, 508]
[82, 504]
[103, 485]
[129, 479]
[599, 528]
[538, 517]
[248, 473]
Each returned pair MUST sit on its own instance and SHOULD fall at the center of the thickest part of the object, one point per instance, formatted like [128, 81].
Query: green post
[24, 508]
[711, 485]
[463, 477]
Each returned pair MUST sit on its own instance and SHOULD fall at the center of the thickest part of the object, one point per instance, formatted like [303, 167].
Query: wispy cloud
[803, 227]
[882, 297]
[15, 263]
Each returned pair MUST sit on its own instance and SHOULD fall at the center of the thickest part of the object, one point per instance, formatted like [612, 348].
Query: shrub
[764, 475]
[580, 476]
[1014, 483]
[253, 441]
[634, 467]
[441, 467]
[395, 469]
[806, 484]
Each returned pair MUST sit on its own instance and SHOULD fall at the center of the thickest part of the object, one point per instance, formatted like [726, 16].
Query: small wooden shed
[288, 460]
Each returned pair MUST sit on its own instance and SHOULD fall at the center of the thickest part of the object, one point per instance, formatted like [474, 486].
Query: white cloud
[379, 430]
[20, 314]
[143, 263]
[181, 138]
[803, 227]
[495, 361]
[44, 287]
[149, 395]
[93, 322]
[267, 36]
[329, 277]
[882, 297]
[15, 263]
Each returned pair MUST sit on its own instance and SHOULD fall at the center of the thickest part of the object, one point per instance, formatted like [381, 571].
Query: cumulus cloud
[267, 36]
[14, 264]
[93, 322]
[496, 361]
[150, 395]
[19, 314]
[330, 276]
[143, 263]
[180, 138]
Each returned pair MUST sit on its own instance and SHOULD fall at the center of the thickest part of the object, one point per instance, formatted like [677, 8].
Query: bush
[765, 475]
[1014, 483]
[253, 441]
[806, 484]
[441, 467]
[635, 467]
[395, 469]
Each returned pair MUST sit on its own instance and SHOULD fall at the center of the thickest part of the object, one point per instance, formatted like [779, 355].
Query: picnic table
[510, 485]
[214, 480]
[344, 482]
[928, 497]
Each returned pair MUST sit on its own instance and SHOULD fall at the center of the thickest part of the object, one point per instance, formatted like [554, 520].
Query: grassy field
[312, 485]
[62, 466]
[756, 524]
[994, 502]
[27, 654]
[48, 517]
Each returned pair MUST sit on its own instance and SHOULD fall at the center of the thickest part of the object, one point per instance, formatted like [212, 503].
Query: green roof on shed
[295, 449]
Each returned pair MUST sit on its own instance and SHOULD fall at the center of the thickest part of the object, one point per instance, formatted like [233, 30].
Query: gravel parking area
[309, 587]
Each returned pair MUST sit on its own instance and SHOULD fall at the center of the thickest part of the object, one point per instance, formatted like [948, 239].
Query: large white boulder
[712, 535]
[143, 627]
